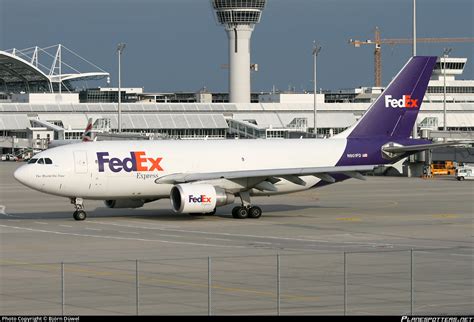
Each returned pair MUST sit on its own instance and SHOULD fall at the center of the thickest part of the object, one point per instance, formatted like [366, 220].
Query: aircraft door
[80, 161]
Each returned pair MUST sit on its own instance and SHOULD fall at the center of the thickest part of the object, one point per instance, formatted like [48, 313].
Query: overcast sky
[176, 45]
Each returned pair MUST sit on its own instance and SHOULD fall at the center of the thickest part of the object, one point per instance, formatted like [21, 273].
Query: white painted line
[221, 239]
[127, 232]
[235, 235]
[160, 226]
[120, 238]
[263, 243]
[348, 243]
[95, 229]
[310, 238]
[383, 246]
[427, 251]
[443, 304]
[66, 226]
[41, 223]
[163, 235]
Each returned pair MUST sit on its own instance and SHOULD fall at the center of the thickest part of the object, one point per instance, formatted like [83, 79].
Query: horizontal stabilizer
[420, 147]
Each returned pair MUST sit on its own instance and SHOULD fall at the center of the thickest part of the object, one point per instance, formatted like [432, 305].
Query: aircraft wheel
[234, 211]
[461, 178]
[255, 212]
[79, 215]
[241, 213]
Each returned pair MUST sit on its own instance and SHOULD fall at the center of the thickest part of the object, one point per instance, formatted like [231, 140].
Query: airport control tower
[239, 18]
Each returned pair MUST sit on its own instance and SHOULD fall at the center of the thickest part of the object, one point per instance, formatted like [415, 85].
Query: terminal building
[40, 104]
[37, 107]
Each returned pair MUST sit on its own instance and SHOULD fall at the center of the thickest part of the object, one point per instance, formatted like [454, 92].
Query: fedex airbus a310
[199, 176]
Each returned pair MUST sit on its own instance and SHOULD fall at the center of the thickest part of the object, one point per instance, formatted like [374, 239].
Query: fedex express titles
[406, 101]
[138, 161]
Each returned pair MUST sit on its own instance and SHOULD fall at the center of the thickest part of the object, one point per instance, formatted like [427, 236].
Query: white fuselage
[76, 168]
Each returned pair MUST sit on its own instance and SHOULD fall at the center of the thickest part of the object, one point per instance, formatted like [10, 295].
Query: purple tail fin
[394, 112]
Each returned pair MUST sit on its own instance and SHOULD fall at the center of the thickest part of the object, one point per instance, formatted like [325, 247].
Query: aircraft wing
[291, 174]
[420, 147]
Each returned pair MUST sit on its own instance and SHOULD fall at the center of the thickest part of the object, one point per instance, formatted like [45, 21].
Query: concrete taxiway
[375, 222]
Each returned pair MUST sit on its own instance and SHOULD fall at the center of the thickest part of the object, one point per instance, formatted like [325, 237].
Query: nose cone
[22, 175]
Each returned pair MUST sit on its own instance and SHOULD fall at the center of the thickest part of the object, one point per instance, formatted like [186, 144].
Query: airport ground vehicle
[443, 168]
[465, 173]
[9, 157]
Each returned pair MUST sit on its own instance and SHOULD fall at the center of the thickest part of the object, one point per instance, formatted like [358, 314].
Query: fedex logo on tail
[138, 162]
[405, 102]
[199, 199]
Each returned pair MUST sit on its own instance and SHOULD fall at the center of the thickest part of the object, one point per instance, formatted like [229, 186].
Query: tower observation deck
[239, 18]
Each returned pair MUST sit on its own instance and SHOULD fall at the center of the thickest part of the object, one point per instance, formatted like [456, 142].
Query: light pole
[414, 28]
[120, 48]
[316, 50]
[414, 132]
[445, 55]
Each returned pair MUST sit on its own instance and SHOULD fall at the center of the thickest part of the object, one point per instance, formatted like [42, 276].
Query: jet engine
[198, 198]
[125, 203]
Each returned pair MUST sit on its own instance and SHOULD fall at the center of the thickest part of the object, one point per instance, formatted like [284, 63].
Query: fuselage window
[48, 161]
[41, 161]
[32, 161]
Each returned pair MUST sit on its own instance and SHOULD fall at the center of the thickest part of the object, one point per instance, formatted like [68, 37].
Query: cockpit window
[40, 161]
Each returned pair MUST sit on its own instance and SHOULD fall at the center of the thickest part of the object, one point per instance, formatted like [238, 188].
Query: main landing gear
[242, 212]
[79, 214]
[246, 210]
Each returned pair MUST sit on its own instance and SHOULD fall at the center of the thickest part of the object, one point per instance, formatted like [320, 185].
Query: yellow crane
[378, 41]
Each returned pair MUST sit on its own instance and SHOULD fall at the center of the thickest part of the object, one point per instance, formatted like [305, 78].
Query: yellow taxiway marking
[446, 216]
[349, 219]
[131, 276]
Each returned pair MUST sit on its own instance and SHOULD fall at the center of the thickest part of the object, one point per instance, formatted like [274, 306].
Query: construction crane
[396, 41]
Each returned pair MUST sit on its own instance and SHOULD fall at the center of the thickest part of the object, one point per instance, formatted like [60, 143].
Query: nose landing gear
[80, 213]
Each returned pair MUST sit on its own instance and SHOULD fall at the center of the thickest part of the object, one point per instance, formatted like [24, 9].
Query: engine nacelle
[124, 203]
[198, 198]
